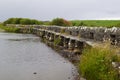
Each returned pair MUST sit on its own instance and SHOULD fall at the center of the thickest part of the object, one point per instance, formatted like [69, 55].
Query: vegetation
[96, 64]
[62, 30]
[96, 23]
[10, 29]
[57, 41]
[46, 22]
[61, 22]
[24, 21]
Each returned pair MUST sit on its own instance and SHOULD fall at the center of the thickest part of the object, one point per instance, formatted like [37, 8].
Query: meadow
[96, 23]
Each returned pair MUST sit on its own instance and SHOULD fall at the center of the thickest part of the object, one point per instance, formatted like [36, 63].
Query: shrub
[25, 21]
[60, 22]
[96, 64]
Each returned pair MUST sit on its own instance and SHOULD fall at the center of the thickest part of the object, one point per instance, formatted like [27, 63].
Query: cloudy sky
[68, 9]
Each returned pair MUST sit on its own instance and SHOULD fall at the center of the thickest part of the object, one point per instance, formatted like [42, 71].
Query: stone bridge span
[72, 40]
[90, 34]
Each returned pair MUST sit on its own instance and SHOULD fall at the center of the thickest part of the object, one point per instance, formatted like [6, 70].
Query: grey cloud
[68, 9]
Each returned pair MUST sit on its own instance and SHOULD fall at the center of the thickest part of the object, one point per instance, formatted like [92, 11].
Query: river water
[24, 57]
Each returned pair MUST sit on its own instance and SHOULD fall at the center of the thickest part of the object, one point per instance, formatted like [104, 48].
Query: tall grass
[96, 64]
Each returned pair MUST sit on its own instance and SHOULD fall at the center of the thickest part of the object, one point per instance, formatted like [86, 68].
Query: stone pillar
[78, 47]
[38, 32]
[56, 36]
[34, 31]
[51, 38]
[47, 35]
[42, 34]
[66, 41]
[61, 41]
[71, 44]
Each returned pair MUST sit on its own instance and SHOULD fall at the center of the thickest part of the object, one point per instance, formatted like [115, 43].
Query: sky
[68, 9]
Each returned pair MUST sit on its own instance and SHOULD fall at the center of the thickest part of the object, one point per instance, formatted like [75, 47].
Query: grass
[96, 64]
[9, 29]
[96, 23]
[57, 41]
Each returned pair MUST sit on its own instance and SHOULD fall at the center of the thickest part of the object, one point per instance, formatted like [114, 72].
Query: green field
[96, 23]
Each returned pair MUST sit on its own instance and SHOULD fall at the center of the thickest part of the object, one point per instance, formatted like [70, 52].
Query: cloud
[68, 9]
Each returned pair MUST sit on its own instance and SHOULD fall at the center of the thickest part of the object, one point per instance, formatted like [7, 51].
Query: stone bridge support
[66, 41]
[71, 44]
[51, 38]
[79, 45]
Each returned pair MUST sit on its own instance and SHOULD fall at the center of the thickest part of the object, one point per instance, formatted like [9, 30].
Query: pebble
[68, 77]
[34, 73]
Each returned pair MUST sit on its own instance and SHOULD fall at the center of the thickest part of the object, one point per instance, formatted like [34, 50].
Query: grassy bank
[9, 29]
[96, 64]
[96, 23]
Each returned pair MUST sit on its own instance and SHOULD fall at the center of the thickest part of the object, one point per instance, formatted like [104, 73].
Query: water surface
[24, 57]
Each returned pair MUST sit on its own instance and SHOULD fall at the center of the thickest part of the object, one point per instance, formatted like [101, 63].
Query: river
[24, 57]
